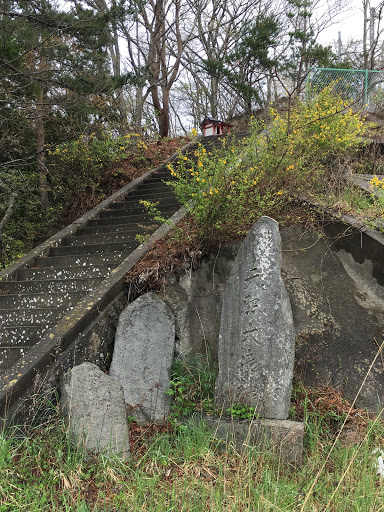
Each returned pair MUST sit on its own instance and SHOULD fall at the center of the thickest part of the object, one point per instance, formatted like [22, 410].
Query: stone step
[158, 180]
[162, 172]
[48, 286]
[151, 189]
[9, 356]
[129, 219]
[99, 246]
[39, 300]
[208, 146]
[133, 228]
[63, 272]
[81, 260]
[150, 193]
[130, 202]
[140, 210]
[21, 335]
[134, 212]
[21, 317]
[108, 237]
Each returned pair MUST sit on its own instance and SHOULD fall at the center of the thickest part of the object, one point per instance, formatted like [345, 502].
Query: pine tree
[53, 65]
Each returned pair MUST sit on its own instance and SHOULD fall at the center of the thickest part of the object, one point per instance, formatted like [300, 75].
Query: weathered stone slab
[257, 338]
[284, 437]
[94, 408]
[142, 357]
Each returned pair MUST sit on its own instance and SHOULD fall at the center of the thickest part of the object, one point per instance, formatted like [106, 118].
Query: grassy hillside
[181, 466]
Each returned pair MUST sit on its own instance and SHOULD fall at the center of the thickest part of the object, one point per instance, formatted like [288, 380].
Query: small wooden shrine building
[211, 126]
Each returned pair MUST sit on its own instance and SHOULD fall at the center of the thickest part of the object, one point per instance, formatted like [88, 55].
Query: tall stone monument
[257, 338]
[94, 408]
[142, 357]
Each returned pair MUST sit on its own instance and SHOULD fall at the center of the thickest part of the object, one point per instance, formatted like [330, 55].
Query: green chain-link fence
[363, 88]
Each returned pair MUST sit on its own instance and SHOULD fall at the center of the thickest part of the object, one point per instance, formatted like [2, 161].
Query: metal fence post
[307, 86]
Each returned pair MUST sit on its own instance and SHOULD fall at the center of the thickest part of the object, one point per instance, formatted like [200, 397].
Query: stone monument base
[283, 436]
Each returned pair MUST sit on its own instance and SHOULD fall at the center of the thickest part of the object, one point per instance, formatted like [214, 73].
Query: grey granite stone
[142, 357]
[257, 337]
[94, 408]
[196, 298]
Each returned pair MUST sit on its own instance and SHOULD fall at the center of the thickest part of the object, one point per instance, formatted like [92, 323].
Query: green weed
[241, 412]
[192, 388]
[154, 212]
[186, 469]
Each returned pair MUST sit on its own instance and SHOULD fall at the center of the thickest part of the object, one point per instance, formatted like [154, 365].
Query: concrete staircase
[35, 298]
[53, 293]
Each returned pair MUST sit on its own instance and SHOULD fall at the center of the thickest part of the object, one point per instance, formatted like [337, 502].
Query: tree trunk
[40, 137]
[114, 51]
[164, 117]
[213, 97]
[139, 104]
[162, 110]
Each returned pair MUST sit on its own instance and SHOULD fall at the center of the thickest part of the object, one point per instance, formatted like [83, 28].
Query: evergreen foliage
[54, 85]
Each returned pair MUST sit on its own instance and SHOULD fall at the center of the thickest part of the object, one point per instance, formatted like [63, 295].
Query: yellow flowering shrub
[298, 149]
[216, 181]
[376, 182]
[232, 186]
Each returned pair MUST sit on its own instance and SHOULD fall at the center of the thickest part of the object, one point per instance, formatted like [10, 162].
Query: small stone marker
[94, 408]
[257, 339]
[142, 357]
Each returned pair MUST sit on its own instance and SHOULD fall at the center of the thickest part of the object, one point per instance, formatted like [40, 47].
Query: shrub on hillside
[232, 186]
[80, 163]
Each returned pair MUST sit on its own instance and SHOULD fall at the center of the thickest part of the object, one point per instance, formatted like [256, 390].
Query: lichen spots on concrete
[10, 384]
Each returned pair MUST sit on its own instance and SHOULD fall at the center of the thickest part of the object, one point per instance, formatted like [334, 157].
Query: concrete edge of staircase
[16, 382]
[349, 220]
[360, 182]
[55, 240]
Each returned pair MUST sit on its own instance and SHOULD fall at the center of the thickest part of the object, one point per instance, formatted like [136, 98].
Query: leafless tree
[156, 38]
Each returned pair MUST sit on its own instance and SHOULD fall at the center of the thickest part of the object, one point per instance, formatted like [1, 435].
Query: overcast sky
[350, 24]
